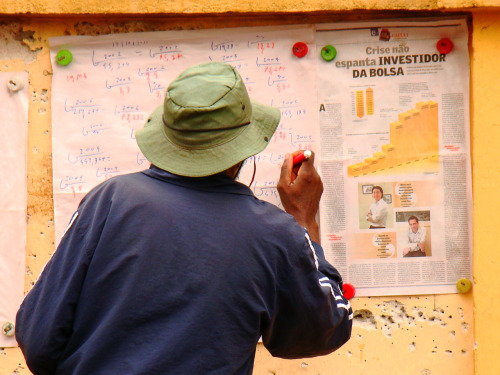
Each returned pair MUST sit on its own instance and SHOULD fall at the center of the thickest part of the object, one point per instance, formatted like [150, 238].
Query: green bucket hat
[207, 123]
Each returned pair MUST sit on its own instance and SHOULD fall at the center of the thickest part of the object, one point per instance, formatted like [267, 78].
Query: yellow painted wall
[222, 6]
[420, 335]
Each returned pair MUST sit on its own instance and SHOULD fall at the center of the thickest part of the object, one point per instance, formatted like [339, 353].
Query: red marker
[301, 157]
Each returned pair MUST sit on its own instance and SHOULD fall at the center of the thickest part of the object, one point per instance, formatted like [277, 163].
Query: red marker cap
[297, 159]
[300, 49]
[444, 46]
[349, 291]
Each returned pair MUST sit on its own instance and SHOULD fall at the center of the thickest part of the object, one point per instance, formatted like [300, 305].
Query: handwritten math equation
[113, 85]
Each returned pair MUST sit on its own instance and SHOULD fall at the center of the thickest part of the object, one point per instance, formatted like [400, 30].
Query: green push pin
[464, 285]
[64, 57]
[328, 52]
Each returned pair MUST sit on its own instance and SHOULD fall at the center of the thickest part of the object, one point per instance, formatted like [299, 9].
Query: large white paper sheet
[394, 113]
[14, 114]
[114, 82]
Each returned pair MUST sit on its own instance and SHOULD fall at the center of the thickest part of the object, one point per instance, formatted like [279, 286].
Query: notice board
[390, 112]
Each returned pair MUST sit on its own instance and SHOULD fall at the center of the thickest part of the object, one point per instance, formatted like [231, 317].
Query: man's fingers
[286, 169]
[297, 152]
[307, 170]
[311, 158]
[308, 163]
[290, 172]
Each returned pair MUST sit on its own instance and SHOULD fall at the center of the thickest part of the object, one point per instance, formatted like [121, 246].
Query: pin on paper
[328, 52]
[8, 329]
[464, 285]
[64, 57]
[297, 159]
[300, 49]
[349, 291]
[444, 46]
[15, 84]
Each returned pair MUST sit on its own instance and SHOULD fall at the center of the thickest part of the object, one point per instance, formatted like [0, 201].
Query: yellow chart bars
[413, 147]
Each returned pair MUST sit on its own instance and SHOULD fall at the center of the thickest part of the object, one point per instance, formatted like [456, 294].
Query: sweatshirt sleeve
[311, 316]
[44, 322]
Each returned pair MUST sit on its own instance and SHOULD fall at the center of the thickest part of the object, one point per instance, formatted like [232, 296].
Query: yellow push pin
[464, 285]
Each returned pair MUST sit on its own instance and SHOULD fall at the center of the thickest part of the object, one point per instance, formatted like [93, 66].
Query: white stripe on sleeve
[73, 218]
[325, 283]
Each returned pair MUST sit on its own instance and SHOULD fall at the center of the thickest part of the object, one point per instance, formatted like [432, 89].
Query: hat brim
[164, 154]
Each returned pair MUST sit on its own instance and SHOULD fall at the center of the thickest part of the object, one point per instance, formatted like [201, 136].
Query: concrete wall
[421, 335]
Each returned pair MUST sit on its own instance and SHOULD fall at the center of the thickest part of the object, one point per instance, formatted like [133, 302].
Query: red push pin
[349, 291]
[300, 49]
[444, 46]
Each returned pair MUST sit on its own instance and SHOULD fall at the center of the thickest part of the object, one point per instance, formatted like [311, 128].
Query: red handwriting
[132, 117]
[279, 136]
[334, 237]
[125, 90]
[265, 45]
[169, 57]
[282, 87]
[273, 69]
[76, 77]
[79, 188]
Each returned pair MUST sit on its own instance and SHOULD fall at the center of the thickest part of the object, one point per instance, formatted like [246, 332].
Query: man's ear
[234, 170]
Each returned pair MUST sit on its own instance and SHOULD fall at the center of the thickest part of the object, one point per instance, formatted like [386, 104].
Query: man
[179, 269]
[416, 238]
[377, 215]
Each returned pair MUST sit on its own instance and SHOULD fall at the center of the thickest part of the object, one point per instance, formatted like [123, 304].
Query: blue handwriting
[82, 107]
[118, 82]
[93, 129]
[141, 159]
[68, 181]
[106, 57]
[267, 61]
[279, 78]
[161, 50]
[106, 172]
[223, 46]
[149, 70]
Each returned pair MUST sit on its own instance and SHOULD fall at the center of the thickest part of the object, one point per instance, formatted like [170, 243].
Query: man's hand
[300, 188]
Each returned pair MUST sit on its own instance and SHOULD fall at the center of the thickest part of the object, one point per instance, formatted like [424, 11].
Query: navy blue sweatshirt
[162, 274]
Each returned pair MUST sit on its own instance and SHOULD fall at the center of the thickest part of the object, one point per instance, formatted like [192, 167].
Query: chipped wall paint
[413, 335]
[420, 335]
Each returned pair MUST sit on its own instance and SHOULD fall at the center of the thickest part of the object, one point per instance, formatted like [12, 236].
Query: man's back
[170, 275]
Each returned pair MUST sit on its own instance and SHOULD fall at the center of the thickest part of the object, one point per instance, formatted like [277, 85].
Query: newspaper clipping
[396, 215]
